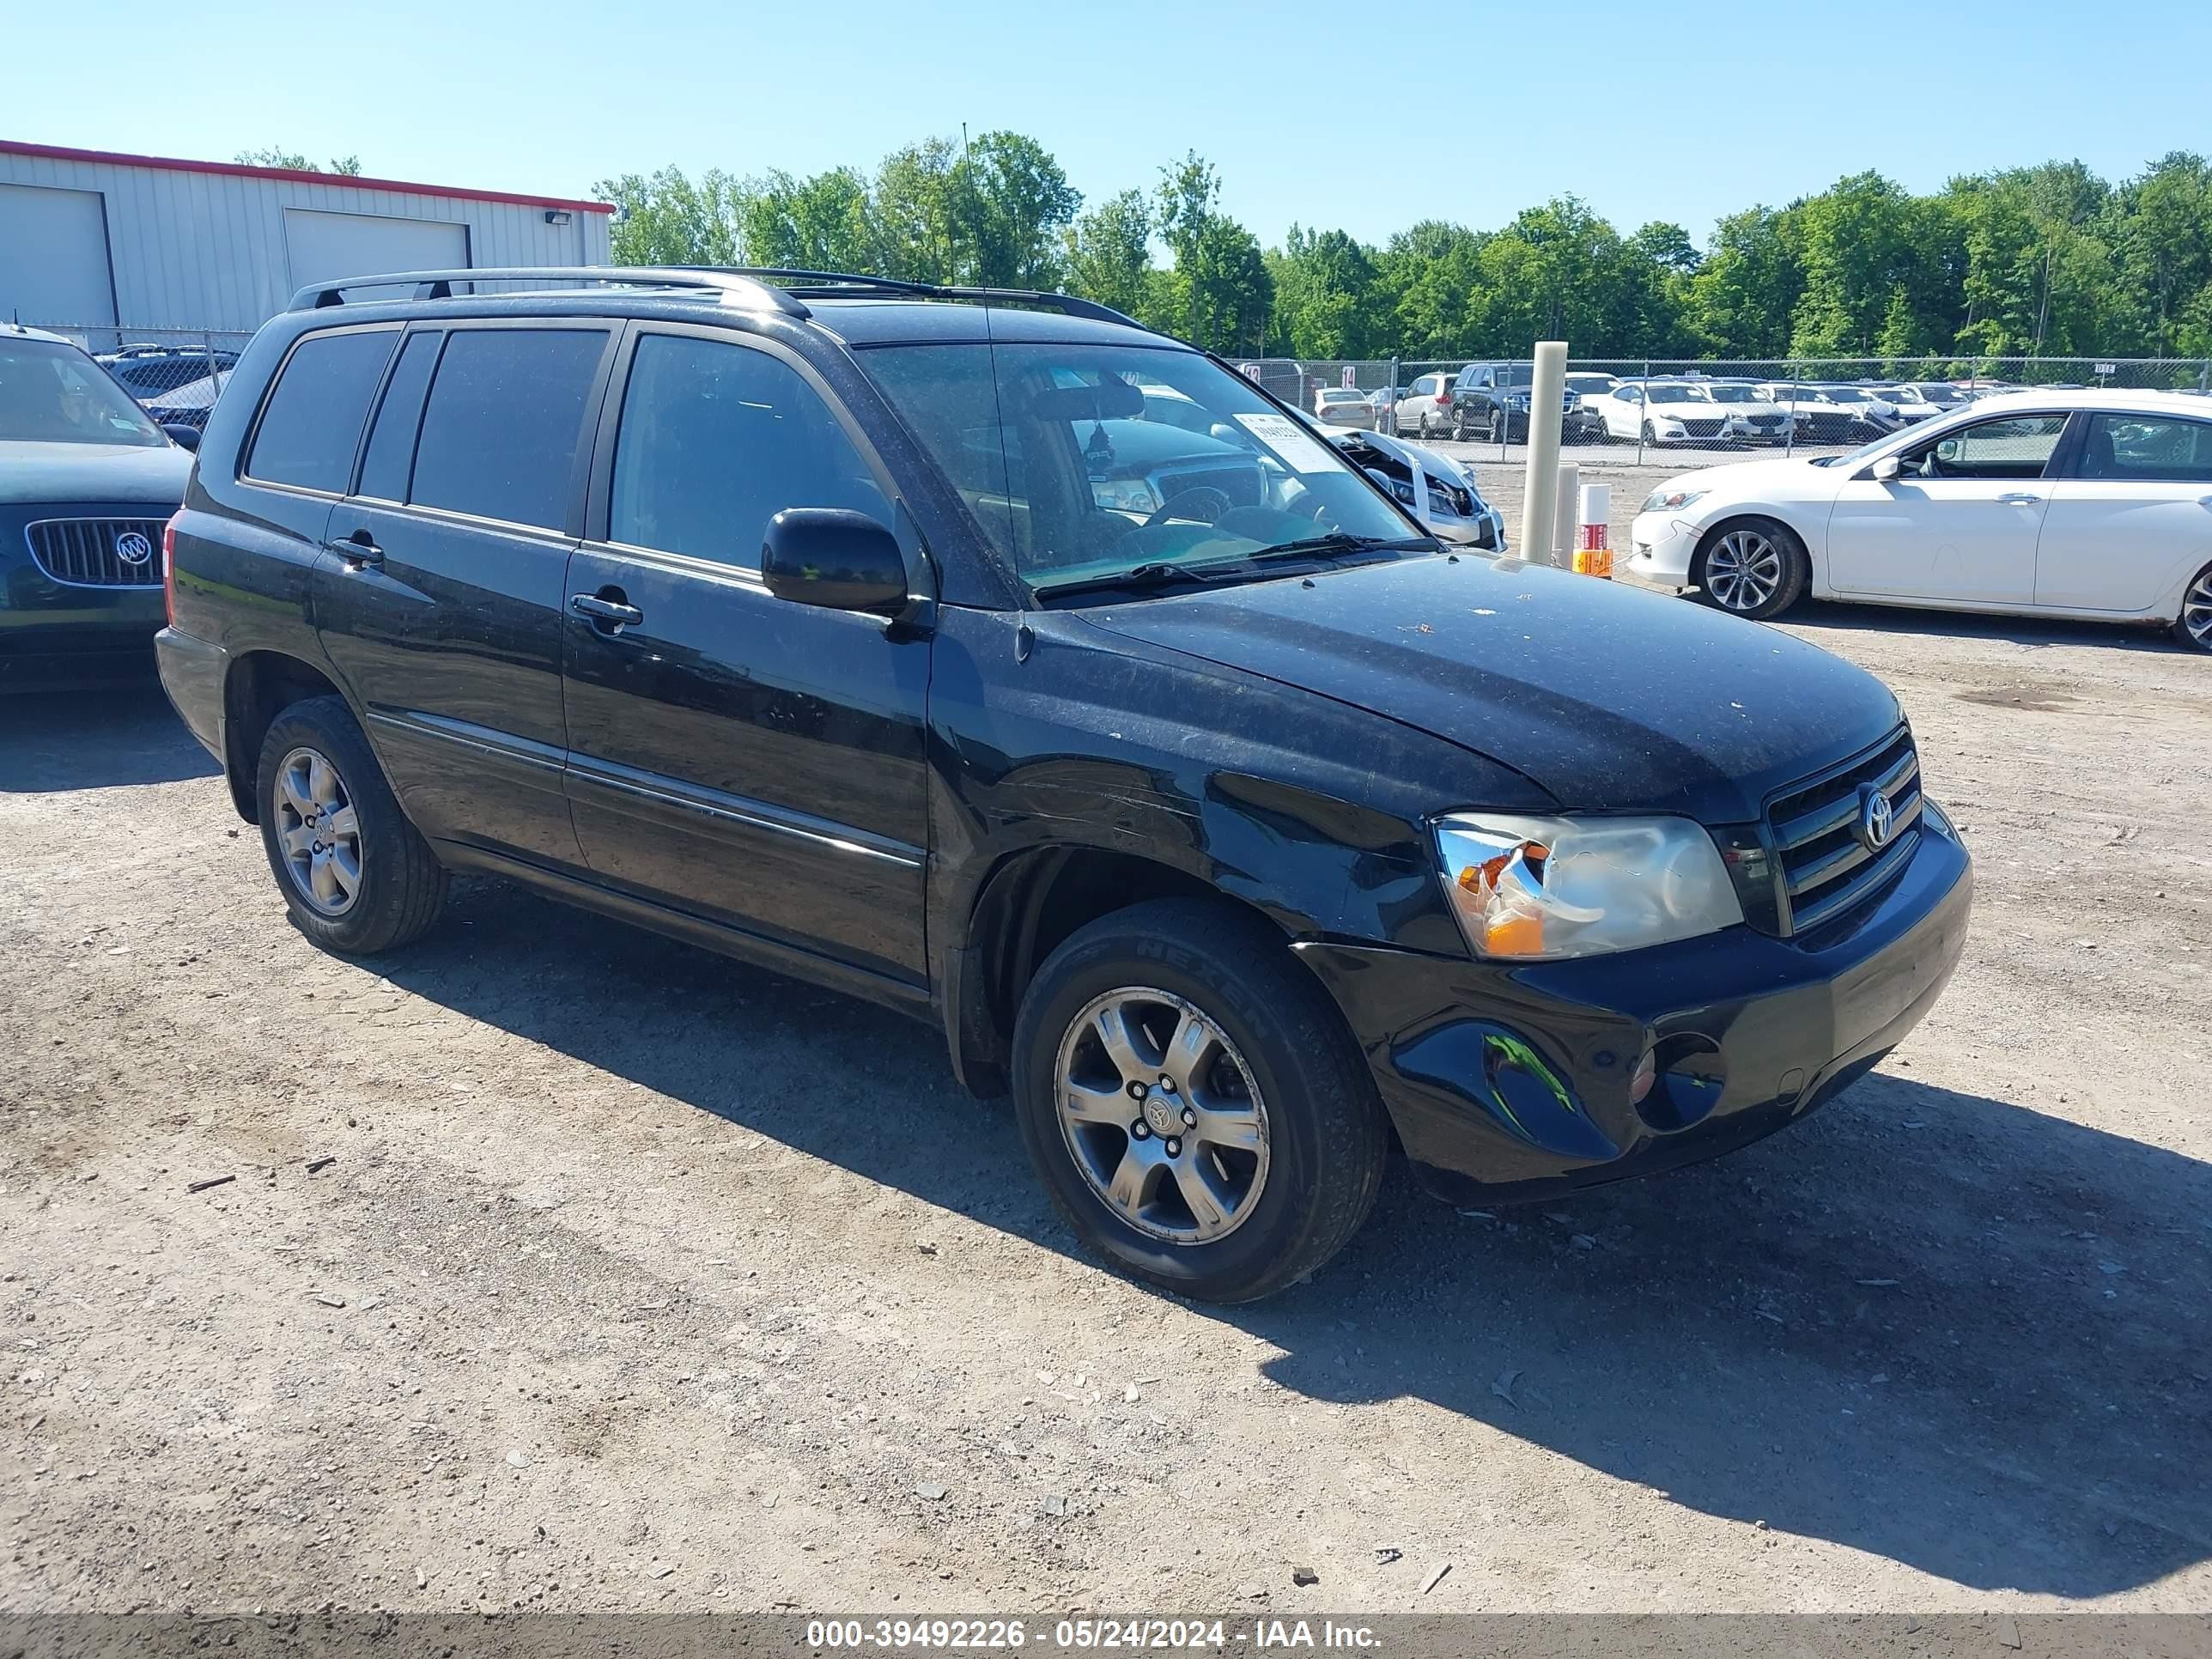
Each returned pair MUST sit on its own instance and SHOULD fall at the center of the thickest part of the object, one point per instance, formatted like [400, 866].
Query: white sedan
[1661, 413]
[2088, 504]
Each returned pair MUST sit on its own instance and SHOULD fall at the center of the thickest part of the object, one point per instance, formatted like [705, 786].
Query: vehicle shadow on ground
[52, 741]
[1947, 1330]
[1816, 617]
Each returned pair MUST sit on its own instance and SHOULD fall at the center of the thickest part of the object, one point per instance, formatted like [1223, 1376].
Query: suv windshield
[1060, 452]
[1734, 394]
[52, 393]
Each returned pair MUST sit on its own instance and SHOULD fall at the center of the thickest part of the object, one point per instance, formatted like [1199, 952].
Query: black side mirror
[184, 437]
[835, 557]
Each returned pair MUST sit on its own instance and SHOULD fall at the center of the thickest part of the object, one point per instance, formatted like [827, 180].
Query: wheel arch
[1030, 902]
[260, 686]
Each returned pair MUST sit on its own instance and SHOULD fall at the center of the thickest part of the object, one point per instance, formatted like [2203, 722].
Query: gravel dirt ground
[558, 1265]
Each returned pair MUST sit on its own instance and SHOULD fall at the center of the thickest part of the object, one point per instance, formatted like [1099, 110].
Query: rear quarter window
[312, 419]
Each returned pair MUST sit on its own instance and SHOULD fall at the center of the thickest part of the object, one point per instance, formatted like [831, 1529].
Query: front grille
[1703, 428]
[1825, 866]
[89, 552]
[1764, 420]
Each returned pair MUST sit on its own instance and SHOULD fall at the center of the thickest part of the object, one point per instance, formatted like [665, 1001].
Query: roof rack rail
[439, 284]
[781, 288]
[831, 284]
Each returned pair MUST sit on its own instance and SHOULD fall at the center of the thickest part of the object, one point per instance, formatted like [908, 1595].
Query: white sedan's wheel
[1743, 569]
[1753, 568]
[2194, 626]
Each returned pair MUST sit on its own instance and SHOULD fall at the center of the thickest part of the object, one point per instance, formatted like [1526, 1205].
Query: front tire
[1192, 1102]
[357, 877]
[2193, 627]
[1753, 568]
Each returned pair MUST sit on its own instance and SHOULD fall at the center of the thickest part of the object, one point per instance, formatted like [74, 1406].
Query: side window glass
[313, 418]
[716, 441]
[390, 455]
[2018, 446]
[2151, 449]
[504, 421]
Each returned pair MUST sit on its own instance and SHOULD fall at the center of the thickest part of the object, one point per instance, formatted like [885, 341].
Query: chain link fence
[175, 373]
[1626, 411]
[1681, 413]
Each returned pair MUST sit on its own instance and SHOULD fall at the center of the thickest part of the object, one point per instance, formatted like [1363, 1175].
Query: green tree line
[2035, 261]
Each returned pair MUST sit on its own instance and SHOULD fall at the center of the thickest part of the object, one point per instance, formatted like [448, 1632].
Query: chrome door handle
[358, 550]
[2019, 498]
[615, 613]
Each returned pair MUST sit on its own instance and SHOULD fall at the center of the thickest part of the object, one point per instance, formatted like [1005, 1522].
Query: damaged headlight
[1542, 888]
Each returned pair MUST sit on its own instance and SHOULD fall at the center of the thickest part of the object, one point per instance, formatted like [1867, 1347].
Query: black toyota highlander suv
[1238, 829]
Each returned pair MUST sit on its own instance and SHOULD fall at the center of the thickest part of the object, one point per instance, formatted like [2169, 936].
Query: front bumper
[1509, 1082]
[1662, 548]
[93, 637]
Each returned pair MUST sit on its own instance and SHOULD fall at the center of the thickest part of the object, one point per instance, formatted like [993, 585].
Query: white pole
[1540, 500]
[1565, 533]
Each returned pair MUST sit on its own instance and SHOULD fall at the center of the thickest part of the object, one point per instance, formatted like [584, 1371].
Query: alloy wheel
[1743, 570]
[1162, 1116]
[318, 832]
[2197, 611]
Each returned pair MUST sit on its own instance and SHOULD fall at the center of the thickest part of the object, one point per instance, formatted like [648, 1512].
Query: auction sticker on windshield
[1293, 446]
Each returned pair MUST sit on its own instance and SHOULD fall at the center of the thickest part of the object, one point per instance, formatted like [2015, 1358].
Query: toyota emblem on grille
[132, 548]
[1875, 819]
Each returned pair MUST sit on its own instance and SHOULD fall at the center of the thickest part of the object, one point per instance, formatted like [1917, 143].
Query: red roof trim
[58, 153]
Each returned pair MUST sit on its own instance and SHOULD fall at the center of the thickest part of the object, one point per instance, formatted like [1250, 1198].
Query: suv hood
[32, 473]
[1611, 699]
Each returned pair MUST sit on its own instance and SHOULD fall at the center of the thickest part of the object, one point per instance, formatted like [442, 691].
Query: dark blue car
[86, 482]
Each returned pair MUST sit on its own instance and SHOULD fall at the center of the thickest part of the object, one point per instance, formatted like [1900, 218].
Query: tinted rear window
[506, 414]
[314, 418]
[390, 455]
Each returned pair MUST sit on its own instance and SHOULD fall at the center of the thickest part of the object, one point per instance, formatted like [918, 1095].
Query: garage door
[322, 245]
[53, 257]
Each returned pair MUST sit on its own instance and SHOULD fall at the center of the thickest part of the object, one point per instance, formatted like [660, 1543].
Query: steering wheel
[1200, 502]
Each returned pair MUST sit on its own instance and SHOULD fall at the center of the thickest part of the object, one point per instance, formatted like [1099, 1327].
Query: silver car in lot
[1344, 406]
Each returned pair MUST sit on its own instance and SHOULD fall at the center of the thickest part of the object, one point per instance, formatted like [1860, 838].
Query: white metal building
[89, 240]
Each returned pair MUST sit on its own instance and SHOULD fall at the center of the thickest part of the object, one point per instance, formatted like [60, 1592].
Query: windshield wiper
[1164, 573]
[1155, 572]
[1340, 541]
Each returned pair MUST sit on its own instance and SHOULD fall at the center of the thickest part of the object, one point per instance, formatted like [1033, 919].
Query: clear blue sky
[1363, 114]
